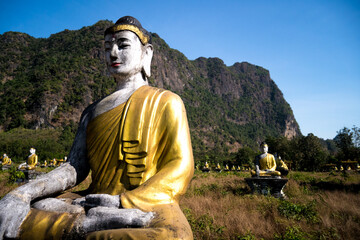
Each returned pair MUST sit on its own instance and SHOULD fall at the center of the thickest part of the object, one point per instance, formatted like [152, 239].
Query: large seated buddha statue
[265, 164]
[135, 141]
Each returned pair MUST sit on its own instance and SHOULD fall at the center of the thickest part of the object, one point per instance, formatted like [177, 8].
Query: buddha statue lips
[115, 64]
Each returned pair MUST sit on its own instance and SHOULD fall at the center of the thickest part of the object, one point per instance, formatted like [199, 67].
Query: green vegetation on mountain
[47, 83]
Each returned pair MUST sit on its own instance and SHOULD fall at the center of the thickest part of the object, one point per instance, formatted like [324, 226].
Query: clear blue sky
[311, 48]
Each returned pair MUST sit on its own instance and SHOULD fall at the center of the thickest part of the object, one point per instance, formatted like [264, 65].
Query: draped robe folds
[32, 160]
[143, 146]
[268, 162]
[140, 150]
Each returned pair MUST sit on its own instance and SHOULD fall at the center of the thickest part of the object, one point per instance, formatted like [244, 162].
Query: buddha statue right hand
[105, 200]
[13, 210]
[257, 170]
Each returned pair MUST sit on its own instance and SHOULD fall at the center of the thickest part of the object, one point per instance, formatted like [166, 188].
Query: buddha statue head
[32, 150]
[128, 49]
[264, 148]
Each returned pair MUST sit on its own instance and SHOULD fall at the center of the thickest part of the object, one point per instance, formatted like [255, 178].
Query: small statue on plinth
[32, 161]
[266, 178]
[52, 162]
[59, 162]
[281, 167]
[206, 167]
[218, 168]
[44, 164]
[5, 161]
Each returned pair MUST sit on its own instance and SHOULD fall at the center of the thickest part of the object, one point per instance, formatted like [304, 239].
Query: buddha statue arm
[16, 204]
[174, 162]
[272, 163]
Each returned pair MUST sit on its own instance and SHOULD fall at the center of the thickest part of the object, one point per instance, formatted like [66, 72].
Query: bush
[299, 211]
[15, 175]
[292, 233]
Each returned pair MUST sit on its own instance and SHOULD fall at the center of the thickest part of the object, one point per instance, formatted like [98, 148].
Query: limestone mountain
[47, 82]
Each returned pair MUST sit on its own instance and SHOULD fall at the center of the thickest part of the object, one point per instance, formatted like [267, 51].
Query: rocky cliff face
[48, 83]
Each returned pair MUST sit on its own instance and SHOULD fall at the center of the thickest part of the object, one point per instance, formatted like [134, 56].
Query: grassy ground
[220, 206]
[318, 206]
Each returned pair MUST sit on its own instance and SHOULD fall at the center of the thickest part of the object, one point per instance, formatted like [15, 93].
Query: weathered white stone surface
[100, 218]
[57, 205]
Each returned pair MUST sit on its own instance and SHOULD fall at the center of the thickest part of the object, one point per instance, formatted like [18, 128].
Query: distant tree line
[305, 153]
[309, 153]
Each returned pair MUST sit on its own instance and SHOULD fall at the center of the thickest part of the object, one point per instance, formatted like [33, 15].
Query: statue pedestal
[267, 185]
[31, 174]
[6, 167]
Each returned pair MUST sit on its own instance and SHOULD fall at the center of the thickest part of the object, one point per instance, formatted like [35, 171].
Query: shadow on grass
[334, 186]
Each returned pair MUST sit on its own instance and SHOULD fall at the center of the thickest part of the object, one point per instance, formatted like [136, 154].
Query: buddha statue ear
[147, 60]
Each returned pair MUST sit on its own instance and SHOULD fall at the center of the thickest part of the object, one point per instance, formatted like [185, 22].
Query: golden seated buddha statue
[265, 164]
[32, 161]
[6, 161]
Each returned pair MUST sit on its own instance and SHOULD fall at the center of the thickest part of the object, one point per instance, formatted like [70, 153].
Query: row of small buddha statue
[54, 162]
[265, 165]
[32, 161]
[218, 168]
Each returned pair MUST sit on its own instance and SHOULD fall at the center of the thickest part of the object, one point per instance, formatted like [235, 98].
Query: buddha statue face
[32, 150]
[125, 55]
[264, 148]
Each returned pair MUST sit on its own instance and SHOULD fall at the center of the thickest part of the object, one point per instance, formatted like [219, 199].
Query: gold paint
[143, 38]
[267, 163]
[32, 161]
[281, 164]
[143, 146]
[142, 151]
[6, 161]
[46, 225]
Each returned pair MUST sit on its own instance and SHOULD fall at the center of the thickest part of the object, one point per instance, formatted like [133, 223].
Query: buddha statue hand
[102, 218]
[104, 200]
[14, 208]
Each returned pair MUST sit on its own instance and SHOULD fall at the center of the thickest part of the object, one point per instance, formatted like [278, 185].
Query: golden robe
[32, 161]
[142, 151]
[266, 163]
[6, 161]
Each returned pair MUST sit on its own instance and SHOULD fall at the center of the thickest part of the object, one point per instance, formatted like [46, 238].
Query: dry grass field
[221, 206]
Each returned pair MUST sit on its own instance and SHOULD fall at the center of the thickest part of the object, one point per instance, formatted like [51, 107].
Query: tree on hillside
[348, 141]
[245, 155]
[280, 146]
[309, 153]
